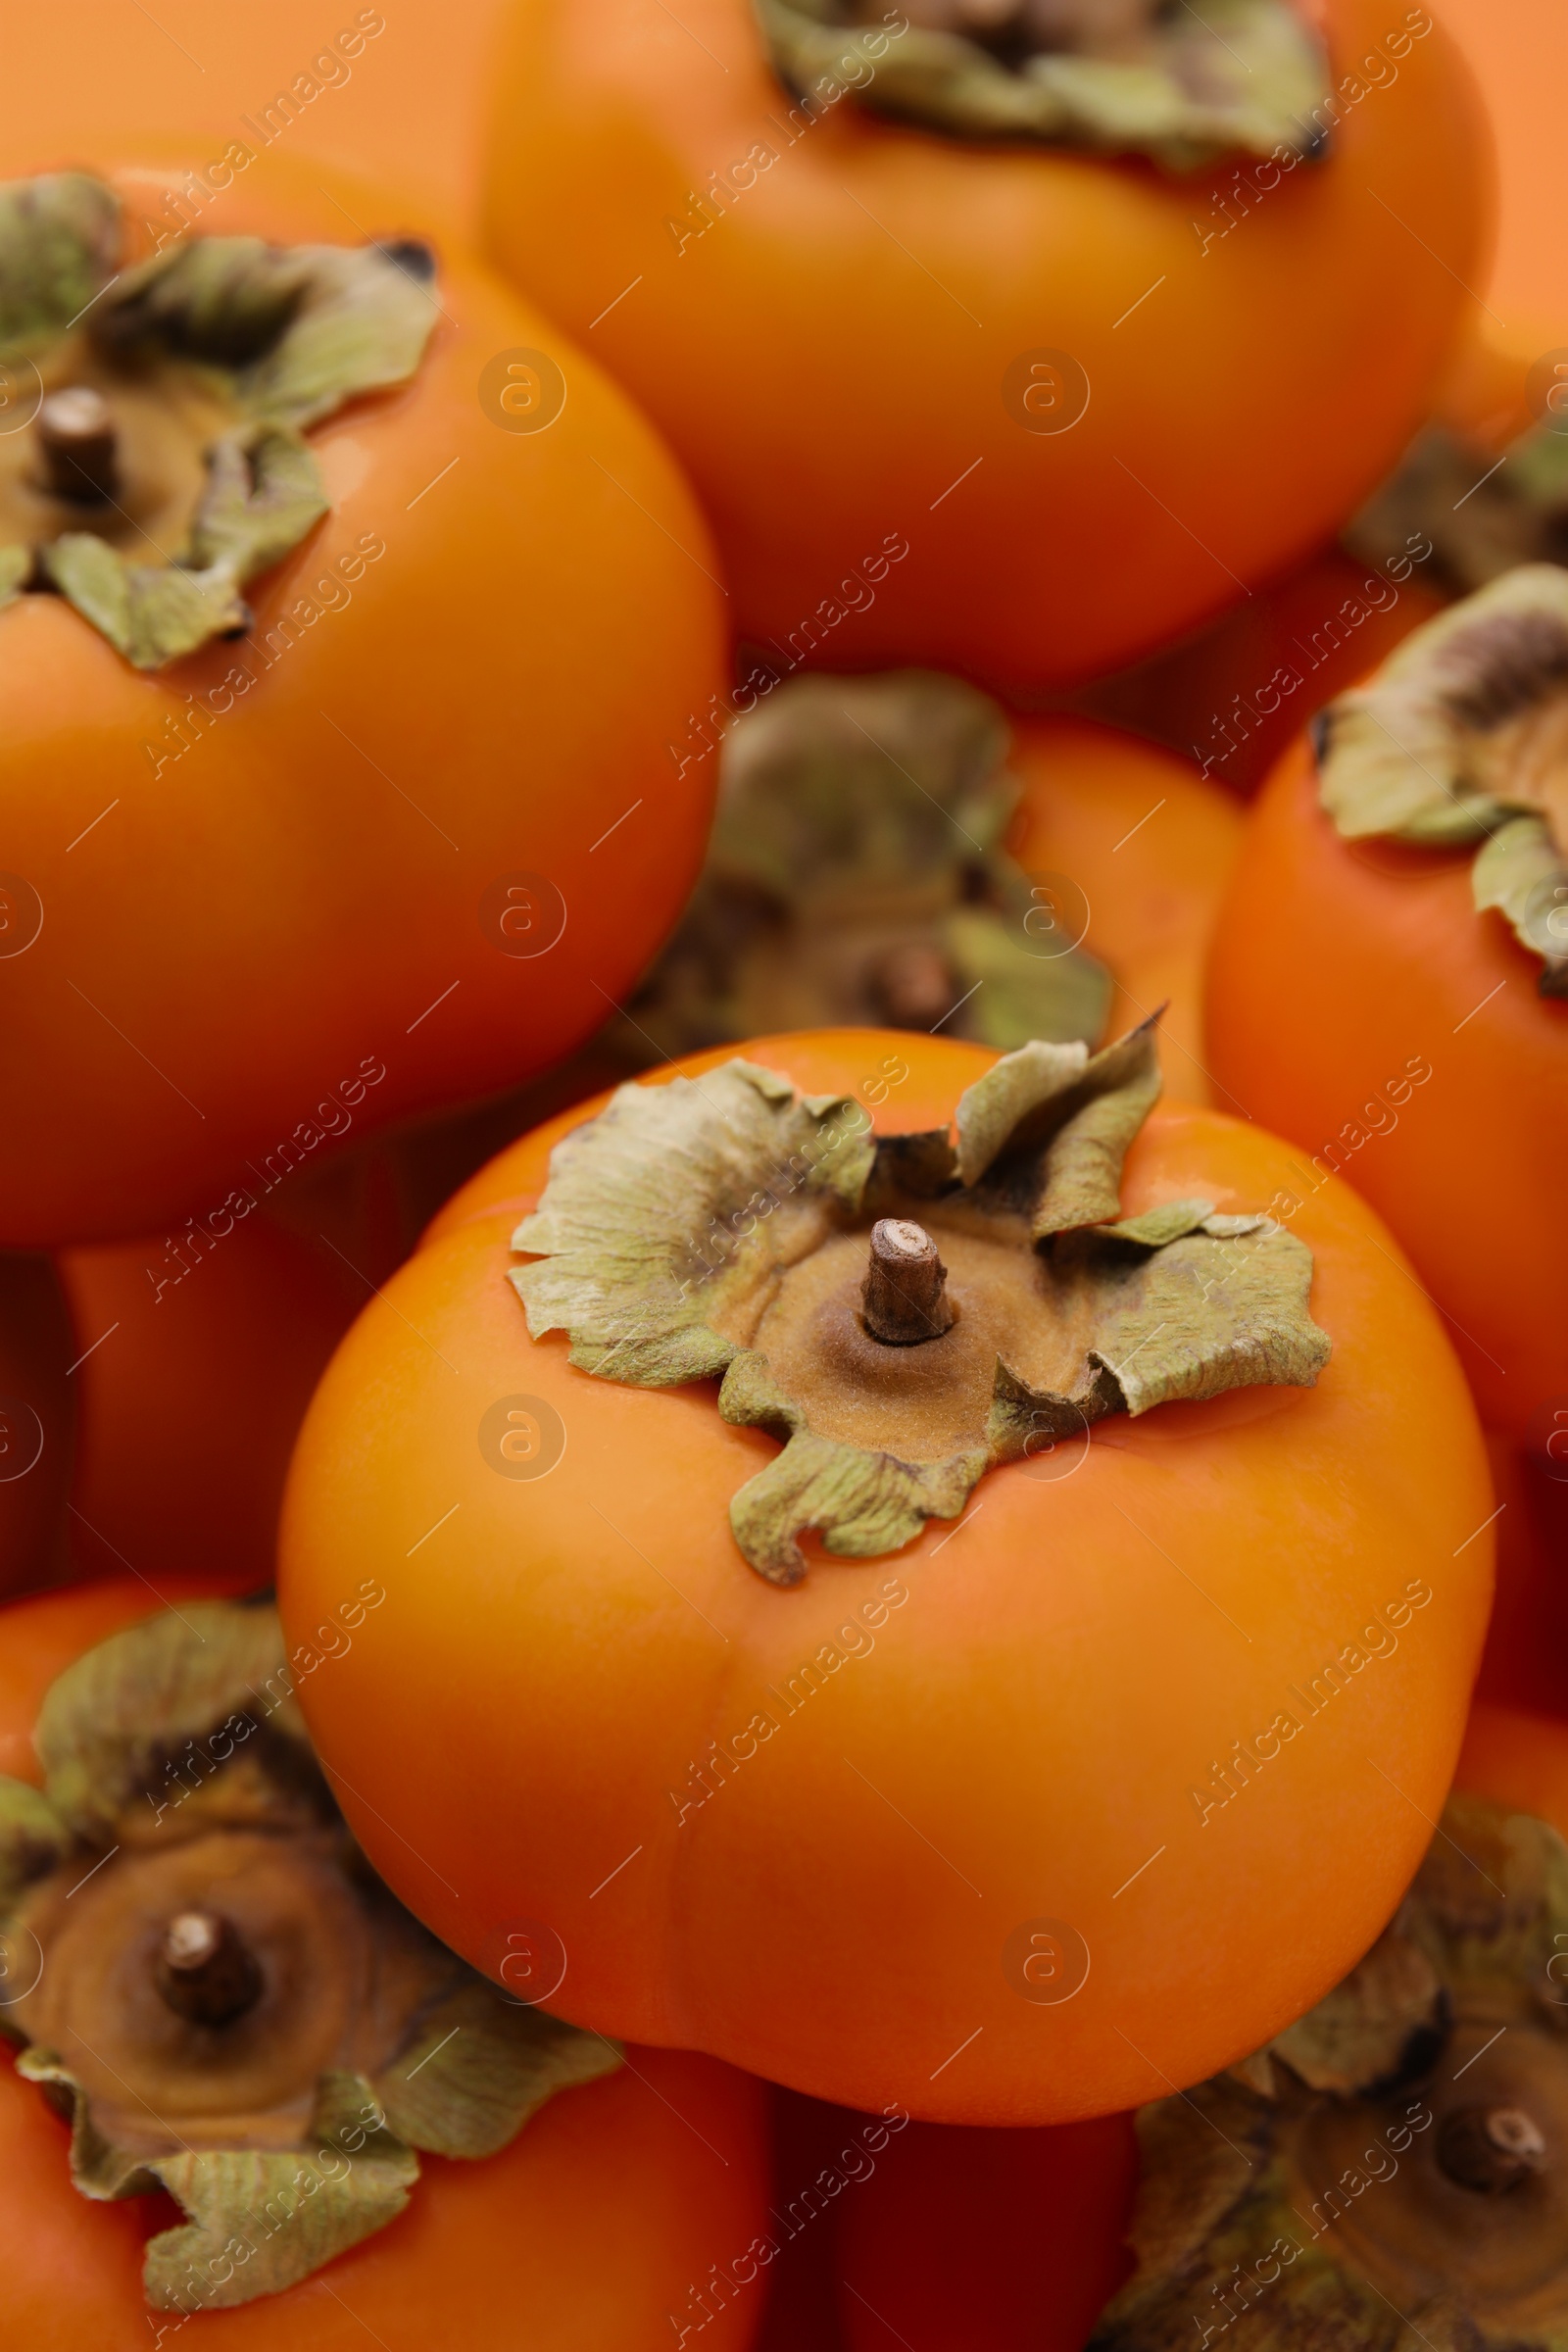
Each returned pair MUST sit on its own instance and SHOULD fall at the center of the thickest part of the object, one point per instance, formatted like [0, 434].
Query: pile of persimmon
[783, 1436]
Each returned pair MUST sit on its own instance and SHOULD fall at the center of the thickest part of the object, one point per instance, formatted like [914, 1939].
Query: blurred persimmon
[999, 353]
[371, 834]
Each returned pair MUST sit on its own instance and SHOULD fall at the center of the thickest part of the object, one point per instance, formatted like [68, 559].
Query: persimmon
[37, 1422]
[357, 861]
[1234, 698]
[1009, 2242]
[1424, 1064]
[226, 1920]
[199, 1351]
[895, 848]
[615, 1695]
[1393, 2160]
[901, 296]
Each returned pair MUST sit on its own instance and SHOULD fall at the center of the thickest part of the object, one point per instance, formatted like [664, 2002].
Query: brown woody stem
[204, 1970]
[1490, 2149]
[905, 1297]
[80, 450]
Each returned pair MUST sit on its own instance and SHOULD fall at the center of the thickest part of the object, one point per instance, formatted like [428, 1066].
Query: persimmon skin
[836, 397]
[1234, 698]
[581, 2237]
[1518, 1758]
[1151, 847]
[555, 1655]
[198, 1361]
[1334, 965]
[286, 919]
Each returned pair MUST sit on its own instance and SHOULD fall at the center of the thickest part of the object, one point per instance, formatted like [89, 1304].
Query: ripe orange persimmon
[613, 2204]
[359, 860]
[865, 1827]
[990, 2241]
[1016, 410]
[1150, 847]
[1360, 1004]
[199, 1353]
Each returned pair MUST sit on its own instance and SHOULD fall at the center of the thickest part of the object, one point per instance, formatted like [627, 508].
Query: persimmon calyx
[718, 1228]
[164, 464]
[1117, 77]
[1479, 517]
[1461, 739]
[1395, 2160]
[857, 875]
[226, 2001]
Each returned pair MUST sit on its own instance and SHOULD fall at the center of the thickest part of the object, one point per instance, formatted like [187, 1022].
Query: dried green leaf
[151, 613]
[1431, 750]
[479, 2066]
[1472, 517]
[836, 787]
[1101, 1317]
[1524, 875]
[862, 1504]
[1246, 76]
[250, 344]
[58, 242]
[665, 1209]
[1158, 1226]
[15, 567]
[856, 876]
[1015, 995]
[1361, 2032]
[300, 330]
[110, 1718]
[991, 1112]
[1462, 738]
[263, 494]
[293, 2210]
[1202, 1316]
[33, 1836]
[1054, 1131]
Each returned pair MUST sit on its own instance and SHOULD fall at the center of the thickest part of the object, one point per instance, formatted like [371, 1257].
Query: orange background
[413, 111]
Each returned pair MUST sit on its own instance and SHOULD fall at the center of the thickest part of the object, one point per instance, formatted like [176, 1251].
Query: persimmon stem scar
[1490, 2149]
[81, 448]
[904, 1298]
[206, 1971]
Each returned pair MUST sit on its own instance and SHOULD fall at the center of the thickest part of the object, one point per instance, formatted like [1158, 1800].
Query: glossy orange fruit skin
[288, 920]
[581, 2237]
[829, 356]
[1518, 1758]
[1146, 849]
[1234, 698]
[198, 1359]
[1333, 965]
[556, 1654]
[1014, 2242]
